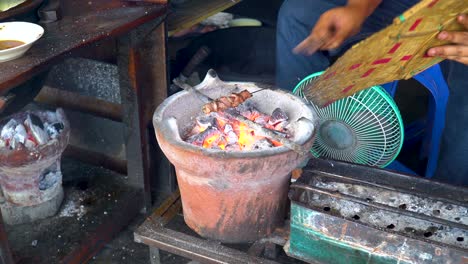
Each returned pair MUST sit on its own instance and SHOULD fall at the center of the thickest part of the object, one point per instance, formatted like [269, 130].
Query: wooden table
[140, 34]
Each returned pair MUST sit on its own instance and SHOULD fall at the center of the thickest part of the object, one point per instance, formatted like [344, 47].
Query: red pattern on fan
[397, 52]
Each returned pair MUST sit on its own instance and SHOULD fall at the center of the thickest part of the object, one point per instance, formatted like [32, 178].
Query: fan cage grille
[374, 119]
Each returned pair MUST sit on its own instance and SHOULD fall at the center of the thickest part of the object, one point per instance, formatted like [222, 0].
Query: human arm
[336, 25]
[458, 50]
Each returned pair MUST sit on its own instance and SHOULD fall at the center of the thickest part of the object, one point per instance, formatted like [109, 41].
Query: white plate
[21, 31]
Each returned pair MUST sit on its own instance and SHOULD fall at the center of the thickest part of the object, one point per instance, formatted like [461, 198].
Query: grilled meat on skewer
[225, 102]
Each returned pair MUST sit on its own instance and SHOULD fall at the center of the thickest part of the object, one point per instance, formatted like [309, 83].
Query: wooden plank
[143, 86]
[96, 158]
[195, 11]
[77, 102]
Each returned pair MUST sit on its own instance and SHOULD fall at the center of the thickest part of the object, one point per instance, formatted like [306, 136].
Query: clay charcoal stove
[233, 185]
[31, 145]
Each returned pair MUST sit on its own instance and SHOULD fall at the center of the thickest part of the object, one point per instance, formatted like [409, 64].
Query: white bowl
[21, 31]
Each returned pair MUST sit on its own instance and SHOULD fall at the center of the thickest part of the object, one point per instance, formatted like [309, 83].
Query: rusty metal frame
[154, 233]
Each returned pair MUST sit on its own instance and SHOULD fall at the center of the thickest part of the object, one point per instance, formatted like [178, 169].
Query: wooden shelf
[86, 25]
[194, 11]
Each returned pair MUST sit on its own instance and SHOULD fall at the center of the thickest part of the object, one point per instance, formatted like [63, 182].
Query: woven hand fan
[394, 53]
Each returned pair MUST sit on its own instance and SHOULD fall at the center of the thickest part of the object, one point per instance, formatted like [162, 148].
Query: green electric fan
[365, 128]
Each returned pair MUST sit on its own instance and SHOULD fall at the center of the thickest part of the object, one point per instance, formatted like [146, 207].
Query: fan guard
[365, 128]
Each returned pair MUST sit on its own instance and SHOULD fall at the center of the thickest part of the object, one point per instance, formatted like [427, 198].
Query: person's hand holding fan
[458, 51]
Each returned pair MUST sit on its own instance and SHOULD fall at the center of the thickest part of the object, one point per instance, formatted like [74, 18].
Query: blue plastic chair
[434, 81]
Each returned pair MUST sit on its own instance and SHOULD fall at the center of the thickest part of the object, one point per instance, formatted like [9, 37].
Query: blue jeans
[295, 22]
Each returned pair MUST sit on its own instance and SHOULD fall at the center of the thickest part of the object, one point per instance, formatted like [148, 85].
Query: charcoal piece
[53, 130]
[280, 126]
[8, 130]
[262, 119]
[20, 134]
[14, 143]
[29, 144]
[231, 136]
[206, 121]
[198, 139]
[35, 120]
[38, 133]
[262, 144]
[278, 115]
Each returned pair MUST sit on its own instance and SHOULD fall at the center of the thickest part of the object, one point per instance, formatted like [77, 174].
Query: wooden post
[143, 86]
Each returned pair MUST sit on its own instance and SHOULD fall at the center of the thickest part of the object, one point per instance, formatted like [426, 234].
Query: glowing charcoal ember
[262, 120]
[231, 136]
[219, 130]
[212, 139]
[199, 138]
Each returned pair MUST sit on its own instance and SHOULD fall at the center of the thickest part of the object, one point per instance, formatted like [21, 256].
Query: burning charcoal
[36, 126]
[53, 130]
[198, 139]
[8, 131]
[262, 144]
[205, 121]
[262, 120]
[48, 179]
[231, 136]
[280, 125]
[20, 134]
[278, 115]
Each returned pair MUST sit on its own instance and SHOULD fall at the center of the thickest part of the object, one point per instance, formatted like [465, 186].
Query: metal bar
[5, 251]
[401, 182]
[96, 158]
[81, 103]
[193, 248]
[130, 205]
[143, 85]
[376, 205]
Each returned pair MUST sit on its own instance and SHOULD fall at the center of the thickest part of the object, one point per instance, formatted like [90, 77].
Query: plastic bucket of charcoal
[234, 175]
[31, 146]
